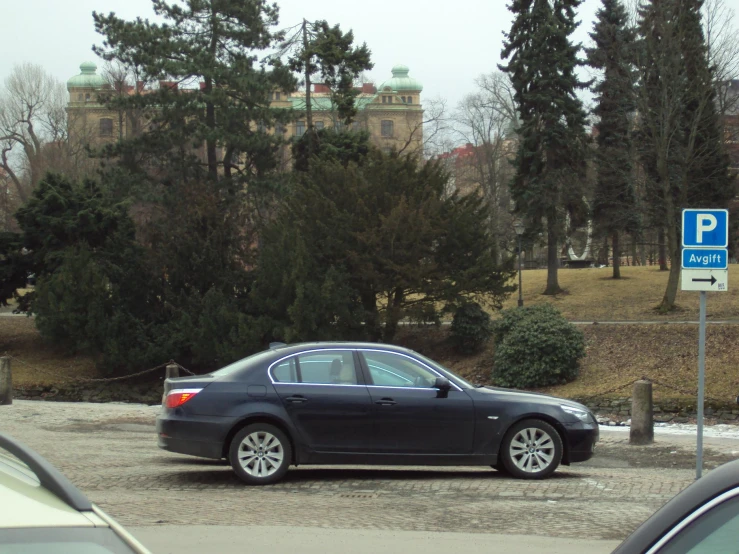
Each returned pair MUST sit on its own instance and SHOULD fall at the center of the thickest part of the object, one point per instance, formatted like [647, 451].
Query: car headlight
[582, 415]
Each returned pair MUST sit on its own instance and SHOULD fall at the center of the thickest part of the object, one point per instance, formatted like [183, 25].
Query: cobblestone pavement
[110, 452]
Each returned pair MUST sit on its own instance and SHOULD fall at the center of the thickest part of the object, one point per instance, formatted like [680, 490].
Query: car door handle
[297, 399]
[386, 402]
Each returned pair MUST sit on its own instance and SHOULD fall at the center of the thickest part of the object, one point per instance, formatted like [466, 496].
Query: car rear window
[45, 540]
[242, 364]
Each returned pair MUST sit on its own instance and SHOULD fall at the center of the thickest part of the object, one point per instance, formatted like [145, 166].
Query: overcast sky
[445, 44]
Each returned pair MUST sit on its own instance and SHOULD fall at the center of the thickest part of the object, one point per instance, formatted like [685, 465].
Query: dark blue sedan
[365, 403]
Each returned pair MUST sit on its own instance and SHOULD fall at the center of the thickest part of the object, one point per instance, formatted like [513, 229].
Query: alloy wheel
[532, 450]
[260, 454]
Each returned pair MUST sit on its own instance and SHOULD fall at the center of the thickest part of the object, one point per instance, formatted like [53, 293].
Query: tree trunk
[392, 315]
[634, 251]
[668, 301]
[552, 255]
[210, 109]
[616, 256]
[662, 254]
[369, 302]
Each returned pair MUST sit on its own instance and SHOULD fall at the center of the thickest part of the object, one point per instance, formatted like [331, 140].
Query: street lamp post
[520, 228]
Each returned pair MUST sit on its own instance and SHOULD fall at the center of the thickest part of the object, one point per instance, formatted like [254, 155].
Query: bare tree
[723, 51]
[486, 120]
[32, 115]
[428, 133]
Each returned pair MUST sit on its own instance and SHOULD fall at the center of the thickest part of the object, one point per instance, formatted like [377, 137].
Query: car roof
[708, 487]
[34, 494]
[287, 349]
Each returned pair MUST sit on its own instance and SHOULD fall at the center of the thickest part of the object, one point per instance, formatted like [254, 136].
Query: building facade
[392, 113]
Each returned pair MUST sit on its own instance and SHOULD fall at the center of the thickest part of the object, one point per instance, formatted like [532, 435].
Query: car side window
[394, 370]
[714, 532]
[328, 367]
[285, 371]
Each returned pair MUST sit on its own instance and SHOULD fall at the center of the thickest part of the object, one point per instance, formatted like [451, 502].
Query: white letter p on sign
[705, 223]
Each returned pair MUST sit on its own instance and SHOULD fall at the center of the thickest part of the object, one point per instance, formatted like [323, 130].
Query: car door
[325, 396]
[410, 415]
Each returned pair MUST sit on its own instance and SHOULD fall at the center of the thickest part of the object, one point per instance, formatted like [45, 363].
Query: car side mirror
[443, 384]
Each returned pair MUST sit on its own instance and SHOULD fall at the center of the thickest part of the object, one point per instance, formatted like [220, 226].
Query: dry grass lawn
[38, 363]
[593, 295]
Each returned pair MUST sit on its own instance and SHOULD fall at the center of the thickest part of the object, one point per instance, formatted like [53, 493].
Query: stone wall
[677, 411]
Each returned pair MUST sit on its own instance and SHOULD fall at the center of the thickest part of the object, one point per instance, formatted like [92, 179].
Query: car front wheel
[260, 454]
[532, 449]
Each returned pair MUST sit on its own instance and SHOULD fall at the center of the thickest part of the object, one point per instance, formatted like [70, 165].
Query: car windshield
[436, 365]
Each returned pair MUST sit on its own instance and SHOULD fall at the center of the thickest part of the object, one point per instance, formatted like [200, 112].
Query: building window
[356, 126]
[261, 127]
[277, 96]
[387, 99]
[319, 125]
[80, 97]
[106, 127]
[280, 129]
[299, 128]
[87, 97]
[409, 100]
[387, 128]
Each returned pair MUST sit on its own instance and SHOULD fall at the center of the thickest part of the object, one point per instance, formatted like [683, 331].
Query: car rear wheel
[532, 449]
[260, 454]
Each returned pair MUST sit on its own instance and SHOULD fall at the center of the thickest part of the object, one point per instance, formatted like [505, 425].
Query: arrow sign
[716, 280]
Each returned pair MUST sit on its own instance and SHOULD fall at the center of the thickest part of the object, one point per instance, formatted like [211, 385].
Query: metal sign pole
[701, 383]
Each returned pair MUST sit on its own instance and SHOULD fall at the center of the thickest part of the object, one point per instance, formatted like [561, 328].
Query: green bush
[471, 327]
[536, 347]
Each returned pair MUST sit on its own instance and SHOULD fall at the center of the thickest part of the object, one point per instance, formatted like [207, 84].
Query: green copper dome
[401, 81]
[88, 77]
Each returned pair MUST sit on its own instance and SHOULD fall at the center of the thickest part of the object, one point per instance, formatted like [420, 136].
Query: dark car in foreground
[702, 519]
[362, 403]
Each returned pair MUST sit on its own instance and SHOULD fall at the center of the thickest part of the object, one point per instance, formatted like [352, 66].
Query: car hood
[533, 397]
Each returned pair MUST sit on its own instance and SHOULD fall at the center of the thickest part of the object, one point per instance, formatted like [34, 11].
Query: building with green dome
[392, 113]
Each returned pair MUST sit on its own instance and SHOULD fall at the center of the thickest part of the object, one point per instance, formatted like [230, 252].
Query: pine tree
[208, 46]
[614, 205]
[680, 141]
[551, 159]
[315, 48]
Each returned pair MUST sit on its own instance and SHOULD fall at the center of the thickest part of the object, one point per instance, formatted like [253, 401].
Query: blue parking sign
[706, 228]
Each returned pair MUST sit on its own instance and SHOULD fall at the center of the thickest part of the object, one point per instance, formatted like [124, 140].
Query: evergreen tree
[680, 140]
[315, 48]
[210, 46]
[203, 172]
[614, 205]
[551, 159]
[358, 248]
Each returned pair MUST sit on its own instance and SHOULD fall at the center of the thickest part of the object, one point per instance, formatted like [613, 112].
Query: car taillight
[178, 397]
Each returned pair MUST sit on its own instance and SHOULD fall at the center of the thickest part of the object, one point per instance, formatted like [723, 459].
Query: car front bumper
[581, 438]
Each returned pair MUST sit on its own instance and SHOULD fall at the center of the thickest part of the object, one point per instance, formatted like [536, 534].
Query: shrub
[536, 347]
[471, 327]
